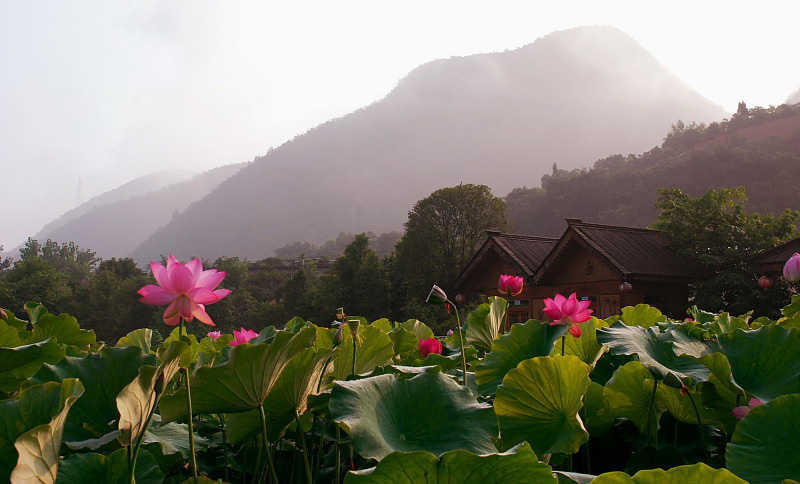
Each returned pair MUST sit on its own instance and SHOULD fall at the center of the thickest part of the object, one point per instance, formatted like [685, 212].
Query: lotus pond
[636, 398]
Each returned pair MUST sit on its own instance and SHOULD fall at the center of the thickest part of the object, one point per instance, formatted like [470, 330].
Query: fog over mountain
[500, 119]
[794, 98]
[114, 223]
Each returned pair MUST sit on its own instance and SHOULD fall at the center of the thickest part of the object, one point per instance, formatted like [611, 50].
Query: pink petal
[559, 300]
[741, 412]
[161, 275]
[582, 316]
[171, 260]
[171, 316]
[754, 402]
[184, 308]
[202, 295]
[221, 293]
[196, 266]
[569, 306]
[210, 279]
[181, 278]
[200, 313]
[155, 295]
[583, 305]
[575, 330]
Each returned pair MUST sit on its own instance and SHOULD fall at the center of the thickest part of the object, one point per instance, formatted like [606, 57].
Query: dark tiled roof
[527, 250]
[777, 255]
[634, 252]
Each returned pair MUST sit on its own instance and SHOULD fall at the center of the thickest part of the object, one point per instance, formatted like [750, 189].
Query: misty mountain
[114, 223]
[794, 98]
[499, 119]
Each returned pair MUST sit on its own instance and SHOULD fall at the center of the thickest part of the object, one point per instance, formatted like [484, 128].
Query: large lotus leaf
[243, 382]
[142, 337]
[642, 315]
[137, 399]
[595, 409]
[656, 353]
[9, 335]
[524, 341]
[384, 324]
[405, 342]
[519, 464]
[19, 363]
[484, 323]
[766, 361]
[13, 321]
[629, 394]
[764, 447]
[374, 349]
[726, 323]
[64, 328]
[111, 469]
[173, 438]
[446, 363]
[39, 448]
[679, 405]
[694, 474]
[287, 399]
[429, 412]
[539, 401]
[103, 375]
[586, 347]
[418, 328]
[36, 405]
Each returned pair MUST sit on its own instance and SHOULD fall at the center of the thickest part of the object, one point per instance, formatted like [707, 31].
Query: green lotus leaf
[287, 399]
[39, 448]
[174, 438]
[383, 324]
[518, 465]
[404, 342]
[142, 337]
[374, 349]
[573, 478]
[766, 361]
[429, 412]
[642, 315]
[103, 375]
[36, 405]
[792, 308]
[726, 323]
[763, 449]
[13, 321]
[539, 401]
[9, 335]
[64, 328]
[21, 362]
[243, 382]
[598, 418]
[418, 328]
[701, 316]
[656, 353]
[484, 323]
[629, 394]
[693, 474]
[111, 469]
[137, 399]
[524, 341]
[679, 405]
[446, 363]
[587, 348]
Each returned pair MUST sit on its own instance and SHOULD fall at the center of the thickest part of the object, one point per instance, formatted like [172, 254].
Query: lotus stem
[461, 343]
[189, 411]
[587, 461]
[699, 426]
[338, 455]
[224, 443]
[272, 475]
[508, 313]
[319, 452]
[563, 343]
[651, 417]
[355, 343]
[303, 446]
[139, 441]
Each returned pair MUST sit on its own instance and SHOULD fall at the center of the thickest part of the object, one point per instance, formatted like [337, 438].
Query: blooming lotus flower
[740, 412]
[791, 271]
[430, 345]
[214, 335]
[510, 285]
[242, 337]
[186, 288]
[568, 311]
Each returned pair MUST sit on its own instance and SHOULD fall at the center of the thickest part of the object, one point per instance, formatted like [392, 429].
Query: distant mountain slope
[759, 151]
[794, 98]
[499, 119]
[114, 229]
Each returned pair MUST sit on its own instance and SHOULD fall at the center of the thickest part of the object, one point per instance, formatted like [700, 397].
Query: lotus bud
[3, 315]
[791, 271]
[354, 325]
[510, 285]
[338, 337]
[436, 296]
[340, 314]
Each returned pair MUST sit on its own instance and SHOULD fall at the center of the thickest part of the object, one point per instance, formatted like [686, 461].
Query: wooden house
[610, 265]
[771, 261]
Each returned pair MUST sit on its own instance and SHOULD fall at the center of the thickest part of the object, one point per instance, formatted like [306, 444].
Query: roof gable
[777, 255]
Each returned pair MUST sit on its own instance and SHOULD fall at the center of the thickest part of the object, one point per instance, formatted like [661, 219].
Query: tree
[716, 230]
[442, 234]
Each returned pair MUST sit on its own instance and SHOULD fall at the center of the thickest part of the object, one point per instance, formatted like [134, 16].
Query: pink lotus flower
[186, 288]
[242, 337]
[449, 332]
[430, 345]
[740, 412]
[214, 335]
[791, 271]
[568, 311]
[510, 285]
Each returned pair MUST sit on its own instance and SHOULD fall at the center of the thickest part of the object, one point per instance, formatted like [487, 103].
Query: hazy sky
[111, 90]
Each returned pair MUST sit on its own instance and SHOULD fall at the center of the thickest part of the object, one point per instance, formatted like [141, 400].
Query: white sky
[111, 90]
